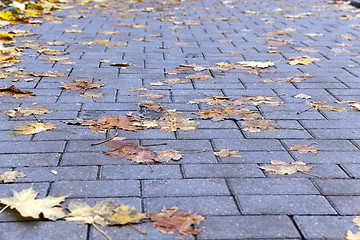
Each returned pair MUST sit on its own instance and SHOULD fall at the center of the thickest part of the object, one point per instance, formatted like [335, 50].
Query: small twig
[314, 175]
[305, 110]
[152, 169]
[155, 144]
[101, 231]
[4, 208]
[36, 117]
[199, 151]
[144, 233]
[108, 139]
[67, 130]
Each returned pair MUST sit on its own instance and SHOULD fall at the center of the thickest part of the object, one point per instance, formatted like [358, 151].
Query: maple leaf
[103, 124]
[283, 168]
[82, 85]
[26, 204]
[199, 76]
[303, 60]
[151, 105]
[166, 222]
[214, 100]
[91, 95]
[27, 111]
[226, 153]
[254, 64]
[256, 126]
[82, 213]
[130, 150]
[124, 214]
[32, 128]
[10, 176]
[167, 155]
[171, 123]
[323, 107]
[304, 148]
[15, 92]
[352, 236]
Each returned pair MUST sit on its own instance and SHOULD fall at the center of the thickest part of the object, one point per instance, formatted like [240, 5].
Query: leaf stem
[108, 139]
[144, 233]
[4, 208]
[152, 169]
[305, 110]
[101, 231]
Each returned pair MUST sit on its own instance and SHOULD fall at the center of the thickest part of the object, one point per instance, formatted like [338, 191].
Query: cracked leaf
[7, 177]
[166, 222]
[32, 128]
[26, 204]
[304, 148]
[284, 168]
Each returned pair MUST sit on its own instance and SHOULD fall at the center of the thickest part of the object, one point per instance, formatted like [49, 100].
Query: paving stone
[32, 147]
[111, 188]
[247, 144]
[284, 204]
[141, 172]
[333, 227]
[338, 186]
[256, 186]
[185, 187]
[244, 227]
[221, 170]
[44, 230]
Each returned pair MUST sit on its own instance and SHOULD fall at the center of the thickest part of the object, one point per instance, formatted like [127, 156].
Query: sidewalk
[129, 45]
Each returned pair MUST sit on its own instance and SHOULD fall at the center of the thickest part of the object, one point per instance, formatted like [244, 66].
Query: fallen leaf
[167, 155]
[282, 80]
[91, 95]
[82, 213]
[218, 114]
[151, 95]
[254, 64]
[82, 85]
[15, 92]
[32, 128]
[120, 64]
[76, 121]
[304, 148]
[26, 204]
[283, 168]
[7, 177]
[352, 236]
[177, 80]
[166, 222]
[226, 153]
[257, 125]
[314, 34]
[323, 107]
[303, 60]
[214, 100]
[27, 111]
[151, 105]
[200, 76]
[303, 96]
[123, 215]
[130, 150]
[138, 90]
[355, 105]
[171, 123]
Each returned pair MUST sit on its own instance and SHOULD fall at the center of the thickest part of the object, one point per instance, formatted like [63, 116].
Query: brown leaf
[82, 85]
[32, 128]
[166, 222]
[130, 150]
[171, 123]
[27, 111]
[167, 155]
[218, 114]
[15, 92]
[283, 168]
[256, 101]
[151, 105]
[151, 95]
[304, 148]
[214, 100]
[226, 153]
[7, 177]
[91, 95]
[256, 126]
[323, 107]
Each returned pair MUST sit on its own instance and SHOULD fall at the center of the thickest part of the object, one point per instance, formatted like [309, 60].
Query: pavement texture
[240, 200]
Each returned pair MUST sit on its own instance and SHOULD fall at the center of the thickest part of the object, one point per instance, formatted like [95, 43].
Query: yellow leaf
[300, 62]
[26, 204]
[32, 128]
[124, 214]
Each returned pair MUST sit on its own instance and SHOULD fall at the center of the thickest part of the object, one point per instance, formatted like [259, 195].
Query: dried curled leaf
[15, 92]
[167, 155]
[151, 105]
[323, 107]
[91, 95]
[218, 114]
[214, 100]
[283, 168]
[304, 148]
[226, 153]
[256, 126]
[27, 111]
[32, 128]
[82, 85]
[171, 123]
[166, 222]
[130, 150]
[7, 177]
[26, 204]
[256, 101]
